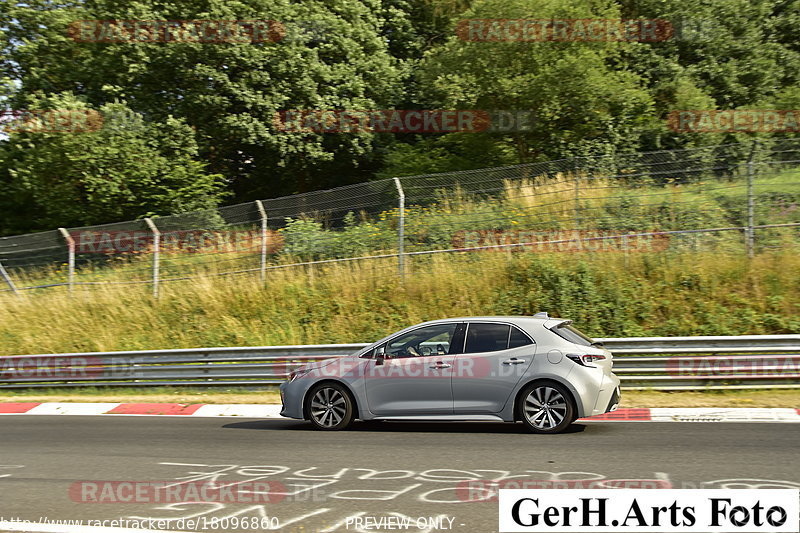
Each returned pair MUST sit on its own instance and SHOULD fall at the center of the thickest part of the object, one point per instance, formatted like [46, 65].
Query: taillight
[585, 359]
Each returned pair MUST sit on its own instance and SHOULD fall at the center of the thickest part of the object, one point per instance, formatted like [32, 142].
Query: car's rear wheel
[546, 407]
[330, 407]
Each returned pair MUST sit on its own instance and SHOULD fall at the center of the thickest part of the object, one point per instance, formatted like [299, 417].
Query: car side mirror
[380, 355]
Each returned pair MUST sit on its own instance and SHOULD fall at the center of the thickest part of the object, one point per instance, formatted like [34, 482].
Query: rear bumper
[608, 397]
[614, 402]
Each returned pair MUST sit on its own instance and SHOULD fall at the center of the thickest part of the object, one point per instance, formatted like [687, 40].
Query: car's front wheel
[546, 407]
[329, 407]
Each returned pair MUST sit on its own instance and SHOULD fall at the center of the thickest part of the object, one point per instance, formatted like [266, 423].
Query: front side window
[486, 337]
[429, 340]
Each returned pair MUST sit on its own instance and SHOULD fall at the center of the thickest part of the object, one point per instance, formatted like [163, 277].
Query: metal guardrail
[657, 363]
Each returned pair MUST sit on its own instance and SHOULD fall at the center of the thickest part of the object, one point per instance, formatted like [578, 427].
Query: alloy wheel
[545, 407]
[328, 407]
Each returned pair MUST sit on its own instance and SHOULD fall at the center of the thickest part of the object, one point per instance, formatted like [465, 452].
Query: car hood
[319, 364]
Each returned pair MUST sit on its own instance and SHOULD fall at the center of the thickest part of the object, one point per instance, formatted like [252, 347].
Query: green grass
[529, 205]
[607, 294]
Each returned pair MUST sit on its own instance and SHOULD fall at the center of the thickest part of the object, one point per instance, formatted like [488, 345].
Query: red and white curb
[142, 409]
[655, 414]
[700, 414]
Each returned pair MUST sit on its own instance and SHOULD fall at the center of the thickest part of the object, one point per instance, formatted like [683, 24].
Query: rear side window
[572, 334]
[486, 337]
[518, 338]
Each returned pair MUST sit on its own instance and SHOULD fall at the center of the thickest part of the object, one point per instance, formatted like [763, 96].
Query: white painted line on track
[56, 408]
[243, 410]
[732, 414]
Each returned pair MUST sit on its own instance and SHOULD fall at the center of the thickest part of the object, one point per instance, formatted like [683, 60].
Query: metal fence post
[625, 254]
[6, 277]
[263, 214]
[577, 207]
[156, 254]
[70, 257]
[751, 238]
[401, 229]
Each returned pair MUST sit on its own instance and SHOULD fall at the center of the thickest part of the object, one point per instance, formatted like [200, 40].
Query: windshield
[572, 334]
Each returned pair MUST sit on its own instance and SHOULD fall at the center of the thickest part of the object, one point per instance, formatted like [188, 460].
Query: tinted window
[518, 339]
[572, 334]
[486, 337]
[428, 340]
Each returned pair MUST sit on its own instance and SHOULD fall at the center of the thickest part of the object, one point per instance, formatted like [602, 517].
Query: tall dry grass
[609, 294]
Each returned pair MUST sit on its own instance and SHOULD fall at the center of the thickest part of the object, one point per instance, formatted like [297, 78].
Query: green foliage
[582, 98]
[308, 239]
[446, 153]
[210, 108]
[128, 168]
[655, 295]
[452, 220]
[334, 56]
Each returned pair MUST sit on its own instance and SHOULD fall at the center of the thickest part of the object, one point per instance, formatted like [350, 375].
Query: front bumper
[292, 394]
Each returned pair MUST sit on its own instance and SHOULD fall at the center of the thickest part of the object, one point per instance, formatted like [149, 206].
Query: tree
[579, 102]
[328, 56]
[724, 54]
[114, 166]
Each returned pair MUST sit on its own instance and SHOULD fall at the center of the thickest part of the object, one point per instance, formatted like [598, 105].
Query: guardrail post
[156, 254]
[264, 234]
[750, 235]
[70, 257]
[401, 204]
[6, 277]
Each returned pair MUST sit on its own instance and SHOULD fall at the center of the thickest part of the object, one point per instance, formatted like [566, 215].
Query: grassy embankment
[685, 290]
[607, 294]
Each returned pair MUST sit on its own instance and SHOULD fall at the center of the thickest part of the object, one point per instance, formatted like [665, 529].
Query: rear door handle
[440, 365]
[513, 361]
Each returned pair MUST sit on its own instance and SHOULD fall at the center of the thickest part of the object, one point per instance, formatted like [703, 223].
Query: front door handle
[440, 365]
[513, 361]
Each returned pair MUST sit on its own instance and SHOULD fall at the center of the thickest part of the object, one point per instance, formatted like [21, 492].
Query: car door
[495, 357]
[415, 375]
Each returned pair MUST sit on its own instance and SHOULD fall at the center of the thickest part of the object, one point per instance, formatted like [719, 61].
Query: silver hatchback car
[537, 370]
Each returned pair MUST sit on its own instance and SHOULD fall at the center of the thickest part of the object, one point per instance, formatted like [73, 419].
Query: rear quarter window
[518, 338]
[572, 334]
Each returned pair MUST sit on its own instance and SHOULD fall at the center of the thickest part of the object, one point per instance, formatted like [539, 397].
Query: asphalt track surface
[378, 469]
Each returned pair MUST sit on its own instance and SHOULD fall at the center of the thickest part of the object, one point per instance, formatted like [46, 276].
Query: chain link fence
[737, 197]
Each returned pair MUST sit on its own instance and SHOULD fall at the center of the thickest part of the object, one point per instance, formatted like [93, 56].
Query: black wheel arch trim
[307, 396]
[572, 395]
